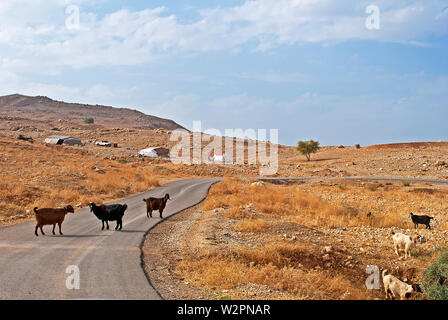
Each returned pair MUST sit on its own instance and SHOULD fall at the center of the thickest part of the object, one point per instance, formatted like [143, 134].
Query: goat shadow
[77, 236]
[132, 231]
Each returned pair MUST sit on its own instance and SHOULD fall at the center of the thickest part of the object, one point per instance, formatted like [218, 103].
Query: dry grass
[222, 272]
[329, 206]
[41, 176]
[251, 225]
[295, 265]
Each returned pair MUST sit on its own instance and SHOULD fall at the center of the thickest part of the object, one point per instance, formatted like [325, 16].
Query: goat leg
[103, 224]
[42, 231]
[53, 228]
[35, 231]
[161, 211]
[107, 224]
[60, 231]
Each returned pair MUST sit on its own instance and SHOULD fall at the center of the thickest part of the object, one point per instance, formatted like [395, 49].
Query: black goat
[426, 220]
[156, 204]
[106, 213]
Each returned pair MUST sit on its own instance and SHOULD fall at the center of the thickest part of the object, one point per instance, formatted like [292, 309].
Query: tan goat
[49, 216]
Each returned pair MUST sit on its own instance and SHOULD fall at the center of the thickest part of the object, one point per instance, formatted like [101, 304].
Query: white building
[155, 152]
[220, 158]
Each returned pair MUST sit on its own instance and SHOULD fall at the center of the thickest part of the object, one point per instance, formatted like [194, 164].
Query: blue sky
[309, 68]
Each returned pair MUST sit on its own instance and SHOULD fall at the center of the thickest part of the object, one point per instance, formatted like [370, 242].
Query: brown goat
[156, 204]
[49, 216]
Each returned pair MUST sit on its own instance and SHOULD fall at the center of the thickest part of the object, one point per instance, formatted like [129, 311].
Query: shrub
[308, 147]
[406, 183]
[89, 120]
[357, 146]
[433, 277]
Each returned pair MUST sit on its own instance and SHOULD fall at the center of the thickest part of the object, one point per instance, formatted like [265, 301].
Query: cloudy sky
[310, 68]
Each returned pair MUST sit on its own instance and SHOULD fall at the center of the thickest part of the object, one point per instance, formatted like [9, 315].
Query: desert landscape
[250, 238]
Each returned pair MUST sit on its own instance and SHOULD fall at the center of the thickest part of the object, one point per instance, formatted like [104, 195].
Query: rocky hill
[44, 108]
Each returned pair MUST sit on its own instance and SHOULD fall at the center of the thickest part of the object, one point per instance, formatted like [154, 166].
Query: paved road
[109, 261]
[355, 178]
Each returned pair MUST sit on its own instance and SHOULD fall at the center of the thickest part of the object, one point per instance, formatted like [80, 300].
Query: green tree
[308, 147]
[89, 120]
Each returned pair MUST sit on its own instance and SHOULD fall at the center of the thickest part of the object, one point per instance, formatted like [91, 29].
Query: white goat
[395, 287]
[406, 243]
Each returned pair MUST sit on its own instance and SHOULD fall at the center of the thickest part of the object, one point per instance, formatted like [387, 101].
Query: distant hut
[220, 158]
[103, 144]
[63, 140]
[155, 152]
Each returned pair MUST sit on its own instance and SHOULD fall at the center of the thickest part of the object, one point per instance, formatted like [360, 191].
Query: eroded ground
[246, 249]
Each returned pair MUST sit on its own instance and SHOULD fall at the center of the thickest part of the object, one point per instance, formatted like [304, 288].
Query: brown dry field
[395, 160]
[299, 241]
[244, 241]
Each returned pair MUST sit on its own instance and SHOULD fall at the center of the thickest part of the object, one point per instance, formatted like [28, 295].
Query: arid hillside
[43, 108]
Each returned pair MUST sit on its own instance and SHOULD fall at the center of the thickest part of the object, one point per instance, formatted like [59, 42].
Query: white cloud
[35, 30]
[276, 77]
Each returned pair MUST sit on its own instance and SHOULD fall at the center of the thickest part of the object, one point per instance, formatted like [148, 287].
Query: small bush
[89, 120]
[357, 146]
[435, 283]
[406, 183]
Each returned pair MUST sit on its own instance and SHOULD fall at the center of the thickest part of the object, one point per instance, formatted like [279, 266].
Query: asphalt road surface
[109, 262]
[355, 178]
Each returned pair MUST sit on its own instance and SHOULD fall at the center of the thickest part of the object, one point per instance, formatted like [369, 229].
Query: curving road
[109, 262]
[355, 178]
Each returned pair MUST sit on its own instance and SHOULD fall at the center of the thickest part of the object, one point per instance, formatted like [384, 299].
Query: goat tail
[384, 272]
[36, 210]
[431, 218]
[125, 206]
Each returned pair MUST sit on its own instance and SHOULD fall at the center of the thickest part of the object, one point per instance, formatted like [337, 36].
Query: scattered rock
[328, 249]
[441, 163]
